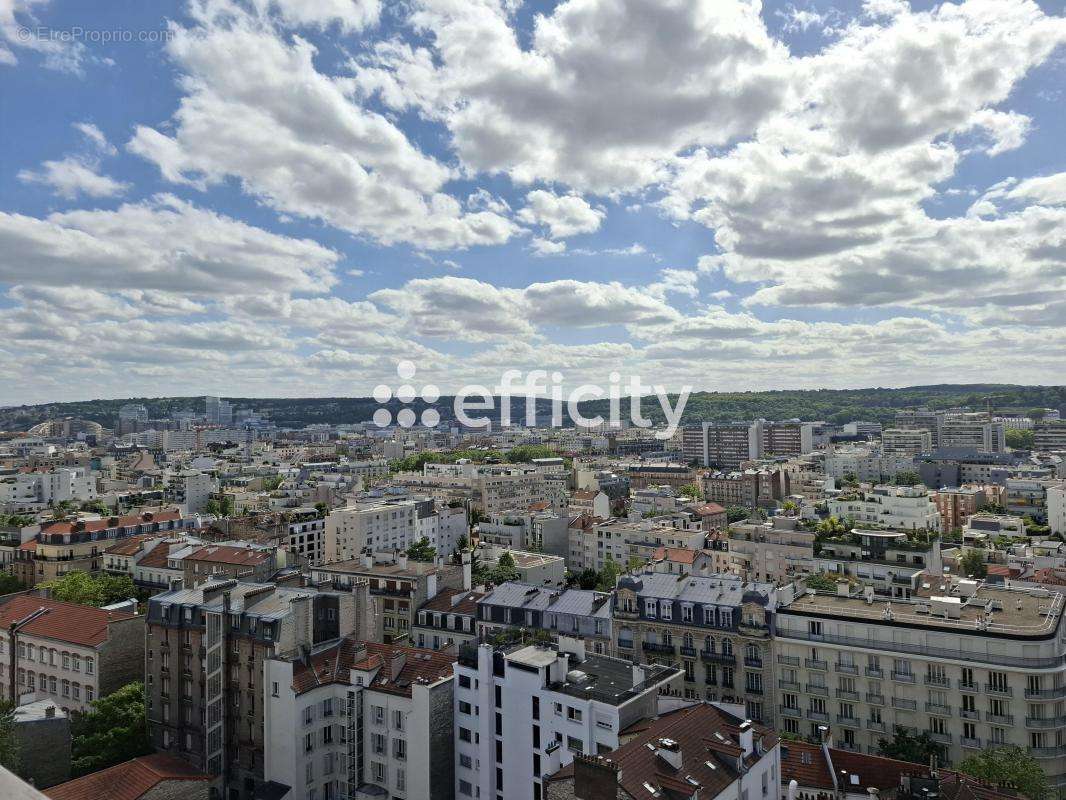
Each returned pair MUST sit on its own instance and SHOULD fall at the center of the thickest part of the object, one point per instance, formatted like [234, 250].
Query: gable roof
[65, 622]
[127, 781]
[333, 664]
[226, 554]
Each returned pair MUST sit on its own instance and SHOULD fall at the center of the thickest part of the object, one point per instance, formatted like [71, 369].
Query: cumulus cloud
[563, 216]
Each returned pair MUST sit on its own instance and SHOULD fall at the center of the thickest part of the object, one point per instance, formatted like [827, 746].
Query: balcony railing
[966, 713]
[789, 661]
[875, 699]
[875, 672]
[999, 719]
[851, 722]
[1055, 693]
[847, 669]
[1004, 691]
[688, 652]
[788, 711]
[968, 686]
[936, 708]
[1045, 722]
[656, 647]
[846, 694]
[788, 686]
[753, 661]
[903, 677]
[875, 725]
[974, 744]
[817, 716]
[937, 680]
[815, 663]
[718, 658]
[818, 690]
[904, 703]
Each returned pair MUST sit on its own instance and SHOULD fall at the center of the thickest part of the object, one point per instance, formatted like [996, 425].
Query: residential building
[1056, 509]
[383, 526]
[725, 445]
[539, 568]
[577, 613]
[33, 490]
[865, 464]
[41, 732]
[1049, 435]
[923, 420]
[886, 560]
[906, 442]
[750, 488]
[789, 438]
[524, 711]
[890, 507]
[357, 719]
[448, 619]
[622, 541]
[698, 750]
[957, 504]
[594, 502]
[250, 563]
[153, 777]
[191, 491]
[206, 649]
[642, 475]
[67, 653]
[771, 552]
[716, 628]
[973, 432]
[306, 538]
[398, 584]
[973, 665]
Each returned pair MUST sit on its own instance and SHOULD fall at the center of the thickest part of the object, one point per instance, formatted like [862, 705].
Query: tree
[1019, 440]
[588, 578]
[908, 477]
[905, 746]
[1008, 767]
[608, 576]
[821, 581]
[91, 590]
[9, 584]
[692, 490]
[96, 507]
[9, 746]
[506, 569]
[789, 507]
[115, 730]
[422, 550]
[213, 508]
[832, 526]
[849, 479]
[972, 563]
[322, 508]
[737, 513]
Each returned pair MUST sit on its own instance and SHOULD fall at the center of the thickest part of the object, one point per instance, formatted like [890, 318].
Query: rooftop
[355, 566]
[237, 556]
[65, 622]
[395, 668]
[601, 678]
[264, 600]
[127, 781]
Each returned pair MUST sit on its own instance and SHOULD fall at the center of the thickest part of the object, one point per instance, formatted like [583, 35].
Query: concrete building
[750, 488]
[356, 719]
[204, 666]
[695, 751]
[191, 491]
[973, 665]
[537, 568]
[594, 502]
[771, 552]
[923, 420]
[66, 653]
[34, 490]
[865, 464]
[253, 564]
[621, 541]
[906, 442]
[891, 507]
[1056, 509]
[524, 711]
[1049, 436]
[725, 445]
[42, 732]
[383, 526]
[447, 620]
[717, 629]
[974, 432]
[957, 504]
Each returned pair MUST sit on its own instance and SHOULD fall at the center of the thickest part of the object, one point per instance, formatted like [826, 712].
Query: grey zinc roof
[270, 605]
[515, 594]
[712, 589]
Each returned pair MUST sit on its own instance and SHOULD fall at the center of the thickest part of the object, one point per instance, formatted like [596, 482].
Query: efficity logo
[531, 386]
[406, 417]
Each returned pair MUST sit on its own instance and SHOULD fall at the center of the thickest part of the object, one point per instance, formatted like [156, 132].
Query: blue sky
[286, 198]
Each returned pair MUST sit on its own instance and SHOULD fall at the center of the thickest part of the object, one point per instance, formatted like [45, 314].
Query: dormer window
[649, 608]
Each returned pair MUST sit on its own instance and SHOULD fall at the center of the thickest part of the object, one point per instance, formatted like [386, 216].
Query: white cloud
[72, 177]
[564, 216]
[546, 247]
[18, 32]
[163, 244]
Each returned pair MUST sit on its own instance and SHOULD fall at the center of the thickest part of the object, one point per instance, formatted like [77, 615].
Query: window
[89, 667]
[377, 744]
[573, 714]
[573, 744]
[75, 662]
[397, 720]
[399, 749]
[309, 772]
[309, 715]
[309, 742]
[90, 694]
[66, 688]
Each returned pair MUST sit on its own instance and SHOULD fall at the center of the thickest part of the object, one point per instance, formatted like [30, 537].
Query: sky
[289, 197]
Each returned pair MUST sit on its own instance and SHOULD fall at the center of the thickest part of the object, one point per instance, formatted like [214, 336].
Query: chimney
[368, 560]
[747, 738]
[468, 574]
[669, 751]
[595, 778]
[50, 712]
[401, 559]
[843, 588]
[396, 663]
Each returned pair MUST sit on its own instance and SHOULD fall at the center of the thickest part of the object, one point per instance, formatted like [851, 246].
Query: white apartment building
[31, 491]
[894, 507]
[442, 525]
[523, 712]
[1056, 509]
[867, 464]
[378, 527]
[307, 538]
[973, 665]
[973, 432]
[359, 719]
[619, 540]
[906, 442]
[192, 490]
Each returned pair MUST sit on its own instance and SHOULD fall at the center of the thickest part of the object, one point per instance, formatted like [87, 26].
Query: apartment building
[716, 628]
[922, 420]
[398, 585]
[192, 490]
[577, 613]
[448, 619]
[30, 490]
[974, 665]
[956, 504]
[906, 442]
[381, 526]
[771, 552]
[1029, 496]
[751, 488]
[893, 507]
[725, 445]
[1050, 436]
[641, 476]
[252, 564]
[620, 541]
[972, 432]
[524, 711]
[539, 568]
[66, 546]
[205, 650]
[306, 538]
[789, 438]
[67, 653]
[357, 719]
[886, 560]
[864, 464]
[695, 751]
[1056, 509]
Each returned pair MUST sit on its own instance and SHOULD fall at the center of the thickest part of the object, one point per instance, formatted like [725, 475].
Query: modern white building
[893, 507]
[525, 711]
[1056, 509]
[378, 527]
[30, 491]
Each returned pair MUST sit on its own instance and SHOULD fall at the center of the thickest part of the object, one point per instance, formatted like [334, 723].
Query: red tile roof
[682, 555]
[65, 622]
[106, 523]
[708, 509]
[224, 554]
[333, 664]
[130, 546]
[443, 602]
[127, 781]
[156, 557]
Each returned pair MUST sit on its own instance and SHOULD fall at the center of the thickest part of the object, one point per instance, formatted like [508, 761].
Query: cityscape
[533, 400]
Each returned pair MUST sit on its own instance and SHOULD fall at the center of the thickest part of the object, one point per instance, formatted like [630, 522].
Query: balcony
[847, 669]
[875, 699]
[937, 680]
[845, 694]
[823, 691]
[875, 672]
[974, 744]
[753, 661]
[656, 647]
[968, 686]
[788, 711]
[851, 722]
[1002, 691]
[904, 703]
[788, 686]
[936, 708]
[789, 661]
[717, 658]
[875, 725]
[903, 677]
[817, 716]
[1045, 722]
[943, 738]
[688, 652]
[815, 663]
[999, 719]
[1056, 693]
[967, 713]
[1047, 752]
[753, 690]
